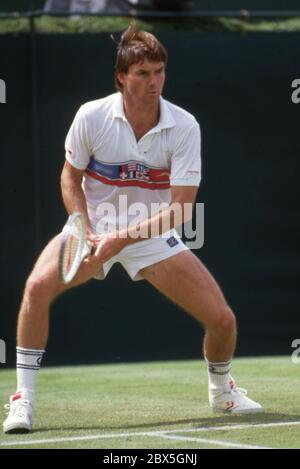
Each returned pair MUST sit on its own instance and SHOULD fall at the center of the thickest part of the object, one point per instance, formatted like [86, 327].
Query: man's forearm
[74, 198]
[171, 217]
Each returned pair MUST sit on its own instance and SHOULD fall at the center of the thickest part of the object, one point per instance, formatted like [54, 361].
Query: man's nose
[152, 79]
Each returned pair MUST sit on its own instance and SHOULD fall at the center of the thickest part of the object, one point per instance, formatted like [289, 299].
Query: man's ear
[120, 77]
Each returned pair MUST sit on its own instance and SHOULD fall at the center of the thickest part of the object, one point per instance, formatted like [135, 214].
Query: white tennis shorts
[142, 254]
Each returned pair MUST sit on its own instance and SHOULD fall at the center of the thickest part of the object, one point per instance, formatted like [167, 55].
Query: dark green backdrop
[239, 88]
[207, 5]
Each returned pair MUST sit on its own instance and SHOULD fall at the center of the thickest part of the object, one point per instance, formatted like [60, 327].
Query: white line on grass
[212, 442]
[79, 438]
[158, 433]
[241, 426]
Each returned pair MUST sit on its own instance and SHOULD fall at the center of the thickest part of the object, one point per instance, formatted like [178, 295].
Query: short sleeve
[186, 159]
[77, 142]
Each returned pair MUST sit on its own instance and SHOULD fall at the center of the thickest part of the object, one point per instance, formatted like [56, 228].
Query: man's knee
[228, 319]
[225, 321]
[37, 289]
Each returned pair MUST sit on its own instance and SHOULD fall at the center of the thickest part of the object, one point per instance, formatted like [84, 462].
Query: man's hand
[109, 246]
[105, 246]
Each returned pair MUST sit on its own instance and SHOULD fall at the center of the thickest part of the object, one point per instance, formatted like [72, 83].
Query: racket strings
[74, 247]
[71, 248]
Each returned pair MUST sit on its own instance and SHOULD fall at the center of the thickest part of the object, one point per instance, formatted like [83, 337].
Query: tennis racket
[74, 247]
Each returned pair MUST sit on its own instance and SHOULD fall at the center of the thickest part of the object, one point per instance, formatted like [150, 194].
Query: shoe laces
[242, 391]
[17, 406]
[235, 389]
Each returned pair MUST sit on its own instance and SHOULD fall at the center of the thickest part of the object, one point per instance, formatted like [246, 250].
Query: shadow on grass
[263, 418]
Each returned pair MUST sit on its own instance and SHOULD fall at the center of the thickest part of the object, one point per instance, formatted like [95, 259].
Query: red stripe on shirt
[162, 183]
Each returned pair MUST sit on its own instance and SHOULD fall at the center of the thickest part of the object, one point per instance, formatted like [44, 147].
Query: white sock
[218, 374]
[28, 365]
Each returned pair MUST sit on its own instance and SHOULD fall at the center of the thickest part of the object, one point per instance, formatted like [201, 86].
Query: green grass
[74, 25]
[171, 396]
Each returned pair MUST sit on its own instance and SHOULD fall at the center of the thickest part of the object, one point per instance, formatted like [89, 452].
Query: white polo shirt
[122, 175]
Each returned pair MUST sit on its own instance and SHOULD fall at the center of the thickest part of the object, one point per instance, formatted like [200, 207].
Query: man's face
[144, 81]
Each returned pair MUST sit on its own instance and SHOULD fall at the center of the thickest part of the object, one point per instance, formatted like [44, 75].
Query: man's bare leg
[184, 279]
[42, 287]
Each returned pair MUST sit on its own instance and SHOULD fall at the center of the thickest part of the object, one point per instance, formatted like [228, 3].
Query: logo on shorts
[172, 241]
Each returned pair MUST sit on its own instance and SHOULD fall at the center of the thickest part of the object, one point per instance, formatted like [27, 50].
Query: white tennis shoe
[233, 400]
[20, 415]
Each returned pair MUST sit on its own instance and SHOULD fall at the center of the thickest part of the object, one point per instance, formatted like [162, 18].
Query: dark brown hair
[134, 47]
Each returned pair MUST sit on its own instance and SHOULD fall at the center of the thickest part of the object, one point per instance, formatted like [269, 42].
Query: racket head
[73, 245]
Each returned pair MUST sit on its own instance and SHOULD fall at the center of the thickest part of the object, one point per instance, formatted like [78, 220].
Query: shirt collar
[166, 119]
[118, 109]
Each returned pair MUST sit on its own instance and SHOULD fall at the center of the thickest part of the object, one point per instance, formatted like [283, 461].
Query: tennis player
[137, 145]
